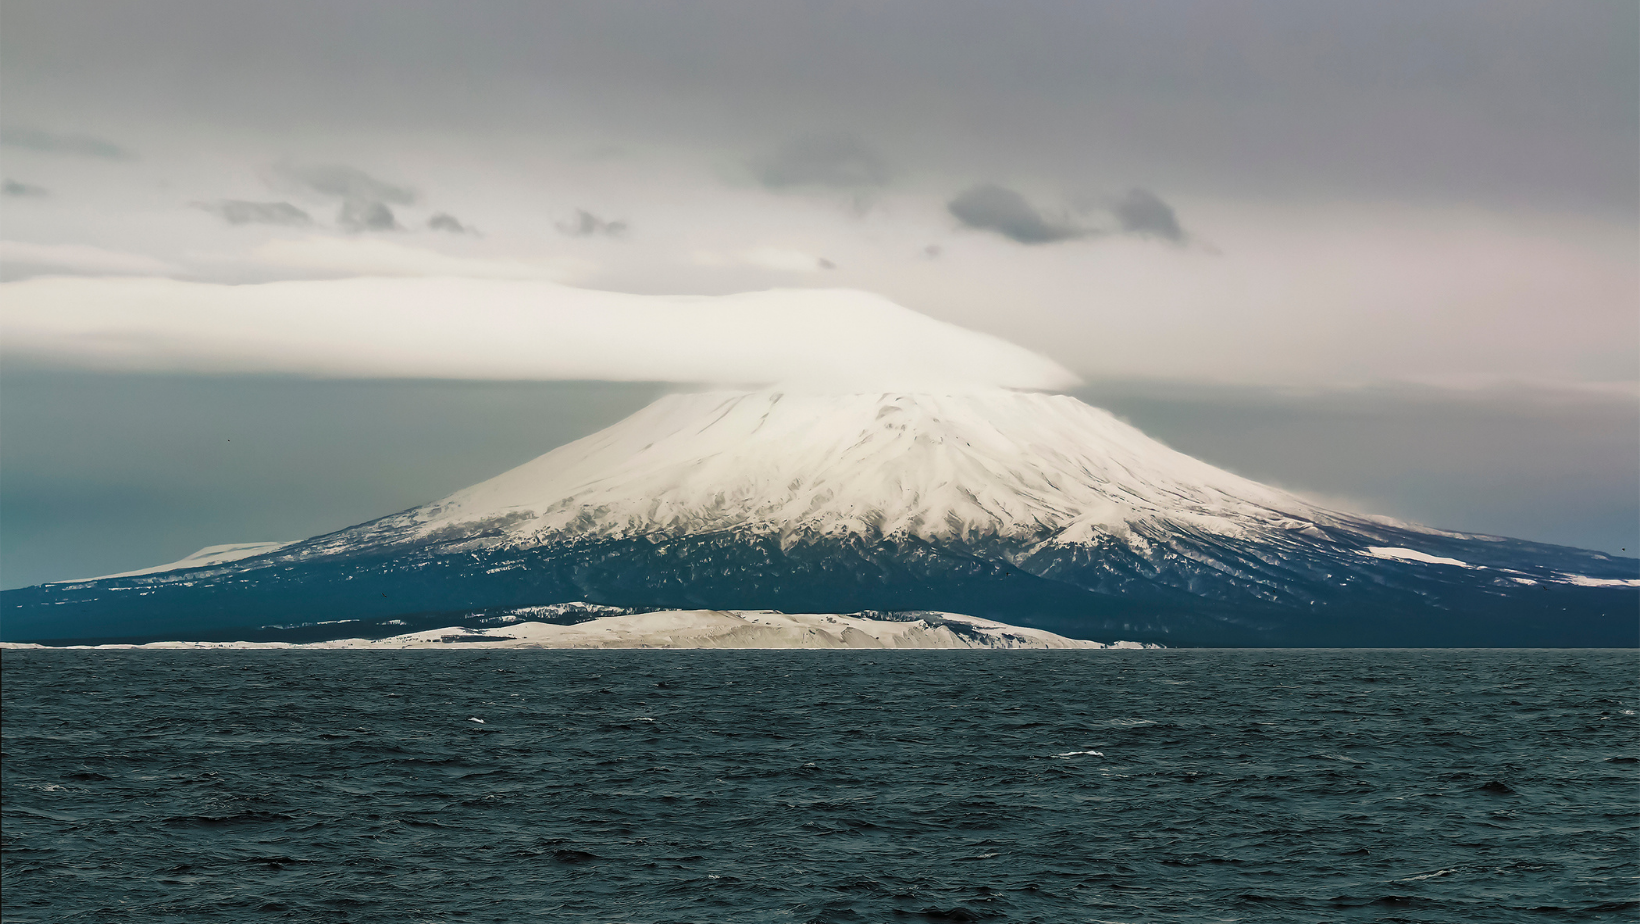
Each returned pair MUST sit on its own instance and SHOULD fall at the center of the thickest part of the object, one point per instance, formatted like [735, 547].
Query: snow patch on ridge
[1413, 555]
[1400, 554]
[209, 555]
[1586, 581]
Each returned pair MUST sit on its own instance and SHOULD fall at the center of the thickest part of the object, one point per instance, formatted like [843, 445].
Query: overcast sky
[1315, 198]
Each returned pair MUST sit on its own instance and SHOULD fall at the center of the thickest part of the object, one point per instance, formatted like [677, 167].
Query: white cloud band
[503, 329]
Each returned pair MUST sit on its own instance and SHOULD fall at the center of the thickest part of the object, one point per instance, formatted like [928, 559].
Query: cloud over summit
[505, 329]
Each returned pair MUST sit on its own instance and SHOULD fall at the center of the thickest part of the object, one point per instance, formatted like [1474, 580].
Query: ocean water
[655, 786]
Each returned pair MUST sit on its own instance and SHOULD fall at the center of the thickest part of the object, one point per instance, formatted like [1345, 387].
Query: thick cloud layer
[1497, 101]
[492, 329]
[1332, 192]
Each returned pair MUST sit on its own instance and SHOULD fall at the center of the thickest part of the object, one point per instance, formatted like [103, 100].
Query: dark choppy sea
[1115, 786]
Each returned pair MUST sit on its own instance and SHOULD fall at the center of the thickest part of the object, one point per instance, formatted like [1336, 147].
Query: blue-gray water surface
[716, 786]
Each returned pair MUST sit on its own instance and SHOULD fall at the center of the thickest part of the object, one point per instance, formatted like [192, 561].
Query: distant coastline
[686, 629]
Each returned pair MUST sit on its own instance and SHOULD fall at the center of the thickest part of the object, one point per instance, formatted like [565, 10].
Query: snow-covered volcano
[1028, 508]
[960, 467]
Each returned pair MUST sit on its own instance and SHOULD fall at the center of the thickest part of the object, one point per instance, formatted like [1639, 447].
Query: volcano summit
[1030, 509]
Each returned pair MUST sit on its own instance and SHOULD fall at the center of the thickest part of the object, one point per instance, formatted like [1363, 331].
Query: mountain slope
[989, 464]
[1026, 508]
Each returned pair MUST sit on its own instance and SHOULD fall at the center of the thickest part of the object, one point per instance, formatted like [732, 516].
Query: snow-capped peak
[990, 463]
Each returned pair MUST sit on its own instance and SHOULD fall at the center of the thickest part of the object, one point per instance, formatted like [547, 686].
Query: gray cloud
[363, 215]
[366, 200]
[448, 223]
[1467, 102]
[33, 139]
[240, 212]
[1137, 212]
[990, 207]
[22, 190]
[834, 161]
[586, 224]
[343, 182]
[1143, 213]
